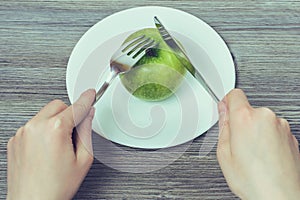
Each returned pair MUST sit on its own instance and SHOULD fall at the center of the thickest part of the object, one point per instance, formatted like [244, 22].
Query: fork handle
[104, 86]
[101, 92]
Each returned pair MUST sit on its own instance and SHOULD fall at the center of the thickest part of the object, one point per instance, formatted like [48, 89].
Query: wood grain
[37, 38]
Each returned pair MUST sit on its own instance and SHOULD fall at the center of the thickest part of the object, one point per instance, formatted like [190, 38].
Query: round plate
[126, 120]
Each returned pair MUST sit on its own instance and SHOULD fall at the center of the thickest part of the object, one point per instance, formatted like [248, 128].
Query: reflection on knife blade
[171, 42]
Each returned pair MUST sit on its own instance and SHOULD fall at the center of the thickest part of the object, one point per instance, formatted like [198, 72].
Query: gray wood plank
[37, 38]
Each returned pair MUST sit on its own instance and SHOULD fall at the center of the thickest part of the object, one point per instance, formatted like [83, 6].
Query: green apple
[158, 74]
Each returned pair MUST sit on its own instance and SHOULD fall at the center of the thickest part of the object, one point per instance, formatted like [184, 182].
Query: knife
[171, 42]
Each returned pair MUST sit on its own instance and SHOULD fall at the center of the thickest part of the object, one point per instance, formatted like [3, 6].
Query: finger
[224, 145]
[296, 143]
[284, 124]
[10, 145]
[75, 113]
[223, 149]
[236, 99]
[10, 162]
[83, 142]
[51, 109]
[241, 114]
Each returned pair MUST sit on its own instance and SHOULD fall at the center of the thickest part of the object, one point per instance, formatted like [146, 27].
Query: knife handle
[202, 81]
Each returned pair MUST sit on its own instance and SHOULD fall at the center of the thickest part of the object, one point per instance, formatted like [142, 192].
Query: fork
[124, 59]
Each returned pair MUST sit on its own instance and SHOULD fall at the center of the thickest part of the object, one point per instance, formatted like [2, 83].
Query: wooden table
[37, 38]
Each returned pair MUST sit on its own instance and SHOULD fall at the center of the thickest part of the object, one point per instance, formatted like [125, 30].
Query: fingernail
[89, 95]
[222, 107]
[89, 92]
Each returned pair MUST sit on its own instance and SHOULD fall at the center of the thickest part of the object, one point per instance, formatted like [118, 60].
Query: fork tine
[129, 44]
[126, 46]
[141, 52]
[143, 48]
[137, 46]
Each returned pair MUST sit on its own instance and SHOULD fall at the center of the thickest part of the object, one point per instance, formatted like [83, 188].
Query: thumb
[83, 142]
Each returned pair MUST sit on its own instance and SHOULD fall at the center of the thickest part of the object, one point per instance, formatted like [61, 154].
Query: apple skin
[158, 74]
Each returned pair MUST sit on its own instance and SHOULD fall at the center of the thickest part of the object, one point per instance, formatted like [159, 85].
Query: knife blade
[171, 42]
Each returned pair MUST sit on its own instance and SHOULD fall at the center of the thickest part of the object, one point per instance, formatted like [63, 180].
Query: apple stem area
[152, 52]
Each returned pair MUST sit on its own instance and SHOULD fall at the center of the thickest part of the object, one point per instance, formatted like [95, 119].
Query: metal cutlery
[124, 59]
[171, 42]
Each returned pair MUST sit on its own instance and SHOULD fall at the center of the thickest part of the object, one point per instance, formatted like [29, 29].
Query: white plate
[126, 120]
